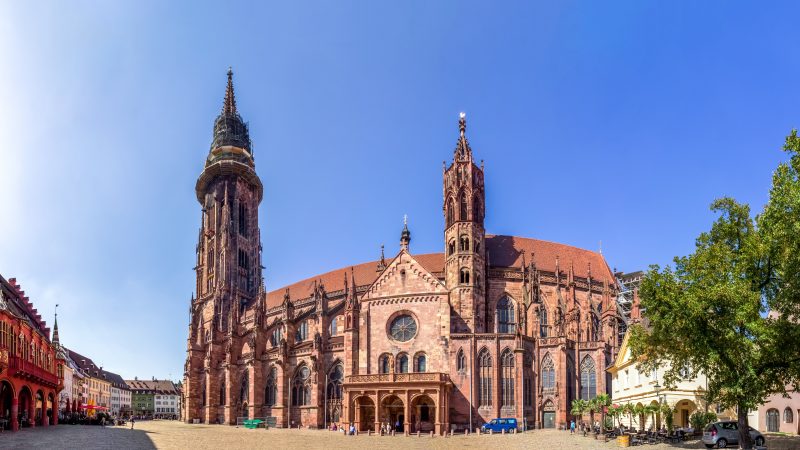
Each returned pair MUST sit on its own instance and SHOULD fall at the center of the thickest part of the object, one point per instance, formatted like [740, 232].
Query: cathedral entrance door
[549, 420]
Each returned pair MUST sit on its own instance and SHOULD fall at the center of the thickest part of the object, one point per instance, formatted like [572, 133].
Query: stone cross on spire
[462, 123]
[229, 105]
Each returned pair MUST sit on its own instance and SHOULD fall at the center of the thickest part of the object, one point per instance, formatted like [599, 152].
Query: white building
[120, 404]
[629, 385]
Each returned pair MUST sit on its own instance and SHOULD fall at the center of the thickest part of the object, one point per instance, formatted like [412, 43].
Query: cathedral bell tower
[228, 266]
[465, 264]
[229, 192]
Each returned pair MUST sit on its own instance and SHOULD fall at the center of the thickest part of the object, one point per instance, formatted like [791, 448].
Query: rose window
[403, 328]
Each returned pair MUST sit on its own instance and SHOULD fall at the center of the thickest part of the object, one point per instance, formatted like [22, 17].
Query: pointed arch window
[588, 379]
[596, 331]
[335, 378]
[506, 322]
[477, 209]
[543, 325]
[451, 247]
[301, 387]
[402, 363]
[271, 391]
[450, 212]
[242, 218]
[485, 378]
[302, 331]
[461, 361]
[244, 388]
[463, 207]
[507, 380]
[548, 373]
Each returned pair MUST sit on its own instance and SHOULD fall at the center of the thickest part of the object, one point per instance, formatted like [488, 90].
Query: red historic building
[30, 369]
[494, 326]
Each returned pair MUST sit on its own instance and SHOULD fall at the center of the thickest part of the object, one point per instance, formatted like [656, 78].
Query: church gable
[403, 276]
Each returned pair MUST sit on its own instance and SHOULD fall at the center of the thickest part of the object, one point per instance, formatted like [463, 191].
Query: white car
[720, 434]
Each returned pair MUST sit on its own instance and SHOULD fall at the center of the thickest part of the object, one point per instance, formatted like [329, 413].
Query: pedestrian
[572, 427]
[352, 430]
[133, 421]
[397, 425]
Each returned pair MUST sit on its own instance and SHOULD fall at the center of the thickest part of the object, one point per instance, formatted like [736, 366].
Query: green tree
[641, 413]
[602, 402]
[710, 311]
[578, 408]
[629, 409]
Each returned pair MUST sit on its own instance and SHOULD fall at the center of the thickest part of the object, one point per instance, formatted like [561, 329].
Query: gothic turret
[463, 208]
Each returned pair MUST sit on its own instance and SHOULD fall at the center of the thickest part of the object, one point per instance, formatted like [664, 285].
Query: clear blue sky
[612, 121]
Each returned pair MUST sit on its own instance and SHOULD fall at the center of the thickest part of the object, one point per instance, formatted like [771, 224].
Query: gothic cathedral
[496, 326]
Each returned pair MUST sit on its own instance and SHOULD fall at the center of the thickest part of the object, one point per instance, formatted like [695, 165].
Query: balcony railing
[25, 369]
[437, 377]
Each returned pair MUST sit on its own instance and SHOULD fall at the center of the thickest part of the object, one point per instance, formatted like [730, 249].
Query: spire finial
[462, 123]
[229, 106]
[55, 327]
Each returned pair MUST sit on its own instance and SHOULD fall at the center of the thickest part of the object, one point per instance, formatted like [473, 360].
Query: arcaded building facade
[495, 326]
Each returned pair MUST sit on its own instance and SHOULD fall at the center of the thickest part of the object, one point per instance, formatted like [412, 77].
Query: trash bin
[624, 440]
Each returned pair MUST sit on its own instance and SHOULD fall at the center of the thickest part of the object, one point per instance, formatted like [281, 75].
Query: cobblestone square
[177, 435]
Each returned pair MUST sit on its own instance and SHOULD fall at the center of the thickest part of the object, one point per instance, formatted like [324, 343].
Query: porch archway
[423, 414]
[393, 410]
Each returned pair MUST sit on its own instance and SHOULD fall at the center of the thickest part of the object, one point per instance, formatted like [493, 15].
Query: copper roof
[502, 251]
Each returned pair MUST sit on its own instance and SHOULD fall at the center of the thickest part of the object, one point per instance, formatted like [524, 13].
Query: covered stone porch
[415, 401]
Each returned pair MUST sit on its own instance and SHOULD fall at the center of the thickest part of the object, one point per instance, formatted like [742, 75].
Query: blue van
[500, 424]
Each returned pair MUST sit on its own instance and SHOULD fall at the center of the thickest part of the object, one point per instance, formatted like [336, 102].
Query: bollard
[431, 433]
[503, 431]
[491, 432]
[466, 432]
[356, 432]
[392, 432]
[478, 431]
[451, 432]
[369, 432]
[417, 433]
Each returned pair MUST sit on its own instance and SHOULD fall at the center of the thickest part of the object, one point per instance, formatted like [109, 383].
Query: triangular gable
[404, 275]
[622, 358]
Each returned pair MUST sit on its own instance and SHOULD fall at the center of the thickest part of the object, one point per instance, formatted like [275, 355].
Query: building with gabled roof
[31, 368]
[493, 326]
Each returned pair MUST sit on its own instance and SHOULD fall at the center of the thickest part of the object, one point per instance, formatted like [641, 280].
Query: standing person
[133, 421]
[572, 427]
[397, 425]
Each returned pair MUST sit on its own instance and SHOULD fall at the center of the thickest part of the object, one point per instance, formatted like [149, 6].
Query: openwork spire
[230, 130]
[463, 152]
[229, 105]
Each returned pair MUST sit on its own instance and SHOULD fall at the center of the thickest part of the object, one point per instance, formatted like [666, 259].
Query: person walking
[133, 421]
[572, 427]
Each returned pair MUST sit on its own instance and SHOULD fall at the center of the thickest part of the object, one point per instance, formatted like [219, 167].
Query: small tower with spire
[405, 235]
[463, 208]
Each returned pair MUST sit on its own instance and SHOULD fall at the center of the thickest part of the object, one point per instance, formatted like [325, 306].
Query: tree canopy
[732, 308]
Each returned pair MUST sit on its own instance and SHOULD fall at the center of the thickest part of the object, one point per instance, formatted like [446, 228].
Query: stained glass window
[403, 328]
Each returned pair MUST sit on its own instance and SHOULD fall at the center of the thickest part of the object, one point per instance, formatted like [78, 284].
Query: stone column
[32, 411]
[375, 398]
[407, 412]
[14, 413]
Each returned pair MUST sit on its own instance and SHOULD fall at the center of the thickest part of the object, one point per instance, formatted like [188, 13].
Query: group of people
[386, 428]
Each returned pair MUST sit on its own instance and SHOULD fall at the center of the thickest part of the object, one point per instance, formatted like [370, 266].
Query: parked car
[500, 424]
[720, 434]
